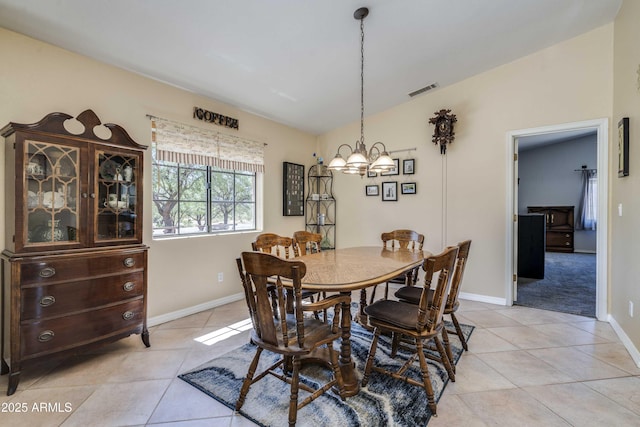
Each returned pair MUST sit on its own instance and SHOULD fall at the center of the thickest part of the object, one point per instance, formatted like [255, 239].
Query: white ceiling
[298, 61]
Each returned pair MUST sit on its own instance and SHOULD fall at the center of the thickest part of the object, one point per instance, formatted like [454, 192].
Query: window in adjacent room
[204, 182]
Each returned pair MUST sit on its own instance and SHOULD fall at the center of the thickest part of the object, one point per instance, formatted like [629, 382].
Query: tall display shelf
[321, 205]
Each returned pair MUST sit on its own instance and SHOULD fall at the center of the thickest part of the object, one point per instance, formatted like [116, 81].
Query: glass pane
[116, 197]
[245, 216]
[245, 185]
[193, 217]
[52, 192]
[193, 184]
[222, 187]
[165, 215]
[221, 216]
[165, 199]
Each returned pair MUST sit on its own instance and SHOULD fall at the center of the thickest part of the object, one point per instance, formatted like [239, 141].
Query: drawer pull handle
[567, 235]
[128, 286]
[47, 272]
[46, 336]
[48, 300]
[128, 315]
[567, 244]
[129, 262]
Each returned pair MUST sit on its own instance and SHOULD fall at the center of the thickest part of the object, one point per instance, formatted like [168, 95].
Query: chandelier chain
[362, 80]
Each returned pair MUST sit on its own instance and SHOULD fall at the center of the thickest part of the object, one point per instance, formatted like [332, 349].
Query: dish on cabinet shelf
[52, 199]
[109, 169]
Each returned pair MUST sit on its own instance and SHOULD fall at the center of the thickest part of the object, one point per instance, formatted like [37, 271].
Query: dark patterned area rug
[569, 285]
[384, 402]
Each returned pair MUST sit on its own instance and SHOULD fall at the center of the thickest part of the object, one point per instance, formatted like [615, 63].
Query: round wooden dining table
[351, 269]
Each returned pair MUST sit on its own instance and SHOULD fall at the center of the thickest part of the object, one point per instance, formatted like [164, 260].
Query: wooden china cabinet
[74, 269]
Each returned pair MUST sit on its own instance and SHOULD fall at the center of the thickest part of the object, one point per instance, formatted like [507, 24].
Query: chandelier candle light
[360, 161]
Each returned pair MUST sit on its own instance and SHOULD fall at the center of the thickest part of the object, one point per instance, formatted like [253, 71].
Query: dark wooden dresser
[74, 269]
[559, 227]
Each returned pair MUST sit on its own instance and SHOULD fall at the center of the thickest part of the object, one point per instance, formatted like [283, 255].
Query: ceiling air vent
[423, 90]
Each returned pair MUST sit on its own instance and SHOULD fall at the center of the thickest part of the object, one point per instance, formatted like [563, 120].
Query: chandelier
[359, 160]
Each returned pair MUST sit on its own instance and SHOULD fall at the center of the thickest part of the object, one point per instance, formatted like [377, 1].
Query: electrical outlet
[620, 209]
[220, 277]
[631, 308]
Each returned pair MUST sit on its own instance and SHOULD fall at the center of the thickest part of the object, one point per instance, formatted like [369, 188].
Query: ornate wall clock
[443, 133]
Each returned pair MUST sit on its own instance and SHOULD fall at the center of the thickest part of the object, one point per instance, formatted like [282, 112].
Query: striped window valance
[185, 144]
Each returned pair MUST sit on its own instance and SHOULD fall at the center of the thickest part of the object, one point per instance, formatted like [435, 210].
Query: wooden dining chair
[282, 247]
[306, 241]
[402, 239]
[412, 294]
[419, 323]
[292, 335]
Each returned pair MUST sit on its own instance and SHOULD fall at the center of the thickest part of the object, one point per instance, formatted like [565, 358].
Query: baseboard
[626, 341]
[174, 315]
[483, 298]
[581, 251]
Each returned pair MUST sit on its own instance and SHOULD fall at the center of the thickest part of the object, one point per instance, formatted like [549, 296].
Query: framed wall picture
[292, 189]
[394, 171]
[408, 188]
[372, 190]
[408, 166]
[623, 147]
[390, 191]
[371, 174]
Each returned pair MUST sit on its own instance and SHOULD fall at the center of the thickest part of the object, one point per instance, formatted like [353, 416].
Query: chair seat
[412, 294]
[316, 333]
[402, 314]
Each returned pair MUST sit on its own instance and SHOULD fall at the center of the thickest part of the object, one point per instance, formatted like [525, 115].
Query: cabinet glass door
[51, 203]
[117, 175]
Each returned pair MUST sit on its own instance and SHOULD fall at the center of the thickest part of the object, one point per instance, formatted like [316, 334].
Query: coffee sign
[215, 118]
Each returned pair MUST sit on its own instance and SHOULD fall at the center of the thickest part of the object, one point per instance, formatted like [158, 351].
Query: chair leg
[247, 381]
[373, 294]
[426, 379]
[372, 353]
[459, 332]
[386, 290]
[447, 347]
[444, 358]
[337, 373]
[395, 343]
[293, 402]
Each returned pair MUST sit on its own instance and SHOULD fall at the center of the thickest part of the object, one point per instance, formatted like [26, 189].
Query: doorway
[567, 131]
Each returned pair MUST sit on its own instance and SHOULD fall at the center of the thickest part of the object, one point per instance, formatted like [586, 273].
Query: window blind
[186, 144]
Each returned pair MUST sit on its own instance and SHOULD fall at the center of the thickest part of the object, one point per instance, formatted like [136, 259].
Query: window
[193, 199]
[203, 181]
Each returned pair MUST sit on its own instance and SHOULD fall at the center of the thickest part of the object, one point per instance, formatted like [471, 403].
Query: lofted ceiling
[297, 62]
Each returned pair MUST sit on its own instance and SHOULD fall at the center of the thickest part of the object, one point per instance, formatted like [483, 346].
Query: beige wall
[625, 230]
[463, 195]
[37, 79]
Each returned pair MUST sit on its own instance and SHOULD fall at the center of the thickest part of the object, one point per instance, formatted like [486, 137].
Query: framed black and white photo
[371, 174]
[390, 191]
[372, 190]
[394, 171]
[623, 147]
[408, 166]
[408, 188]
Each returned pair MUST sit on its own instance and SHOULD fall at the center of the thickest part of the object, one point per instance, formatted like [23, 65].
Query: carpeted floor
[569, 285]
[384, 402]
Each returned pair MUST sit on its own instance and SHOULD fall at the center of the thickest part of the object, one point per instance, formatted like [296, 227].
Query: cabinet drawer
[54, 270]
[61, 298]
[78, 329]
[560, 239]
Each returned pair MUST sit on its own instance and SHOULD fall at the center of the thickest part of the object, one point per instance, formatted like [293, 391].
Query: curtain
[587, 210]
[185, 144]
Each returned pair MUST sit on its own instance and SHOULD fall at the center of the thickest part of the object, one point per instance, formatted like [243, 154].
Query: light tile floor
[524, 367]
